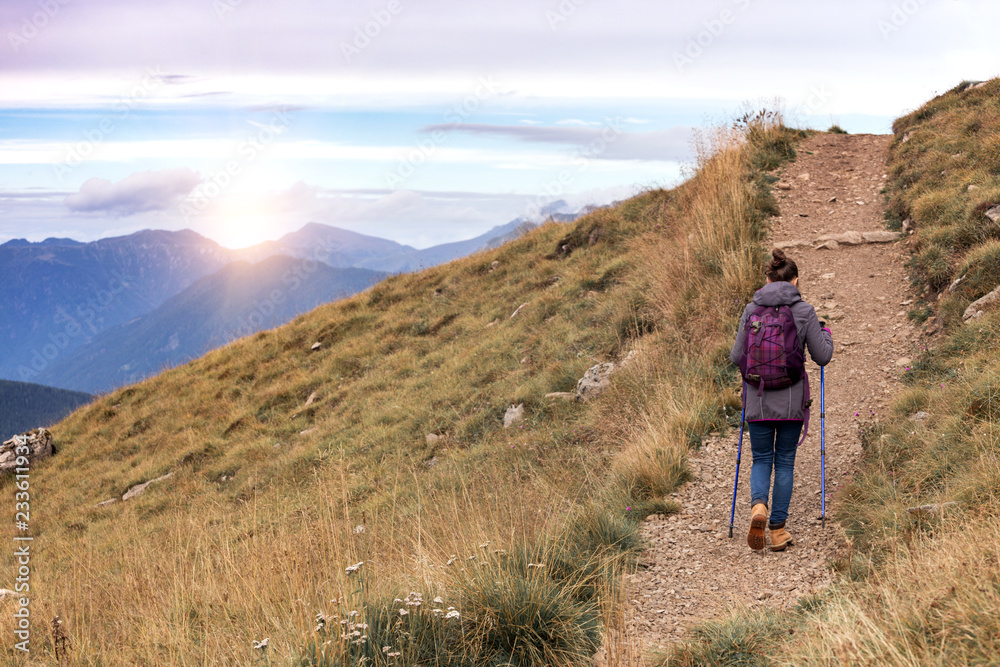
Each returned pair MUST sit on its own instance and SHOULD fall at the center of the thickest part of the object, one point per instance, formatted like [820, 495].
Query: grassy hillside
[240, 299]
[918, 588]
[24, 406]
[293, 464]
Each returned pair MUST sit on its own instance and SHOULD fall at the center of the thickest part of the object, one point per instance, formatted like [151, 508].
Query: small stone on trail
[803, 177]
[828, 245]
[783, 186]
[828, 276]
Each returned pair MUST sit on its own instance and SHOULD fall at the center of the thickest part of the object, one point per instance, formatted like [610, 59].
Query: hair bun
[779, 257]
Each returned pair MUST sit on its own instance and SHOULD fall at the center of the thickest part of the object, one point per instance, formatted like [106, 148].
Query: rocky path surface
[695, 572]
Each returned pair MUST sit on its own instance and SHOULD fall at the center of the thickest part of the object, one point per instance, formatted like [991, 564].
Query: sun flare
[244, 224]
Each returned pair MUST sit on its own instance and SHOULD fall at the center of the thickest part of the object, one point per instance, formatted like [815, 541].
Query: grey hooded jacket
[784, 403]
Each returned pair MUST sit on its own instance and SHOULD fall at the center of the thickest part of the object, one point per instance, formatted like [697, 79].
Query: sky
[424, 121]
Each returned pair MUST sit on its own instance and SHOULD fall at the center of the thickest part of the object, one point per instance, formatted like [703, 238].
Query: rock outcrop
[38, 442]
[977, 307]
[139, 488]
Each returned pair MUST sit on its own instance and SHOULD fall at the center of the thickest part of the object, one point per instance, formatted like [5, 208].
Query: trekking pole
[739, 450]
[822, 444]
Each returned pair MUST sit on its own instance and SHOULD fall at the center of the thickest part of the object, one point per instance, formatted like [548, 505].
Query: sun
[243, 223]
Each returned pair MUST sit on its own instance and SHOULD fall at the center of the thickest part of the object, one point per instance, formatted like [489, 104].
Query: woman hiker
[776, 391]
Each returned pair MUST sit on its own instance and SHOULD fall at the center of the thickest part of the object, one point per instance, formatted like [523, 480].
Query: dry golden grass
[272, 500]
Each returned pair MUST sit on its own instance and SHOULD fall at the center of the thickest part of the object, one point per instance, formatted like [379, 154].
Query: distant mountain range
[24, 406]
[239, 300]
[94, 316]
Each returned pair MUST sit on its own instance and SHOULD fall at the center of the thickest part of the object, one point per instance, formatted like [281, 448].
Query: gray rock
[594, 381]
[785, 245]
[954, 285]
[105, 503]
[563, 395]
[977, 307]
[519, 308]
[926, 510]
[38, 443]
[880, 237]
[316, 346]
[994, 213]
[514, 414]
[847, 238]
[433, 438]
[138, 489]
[828, 245]
[918, 416]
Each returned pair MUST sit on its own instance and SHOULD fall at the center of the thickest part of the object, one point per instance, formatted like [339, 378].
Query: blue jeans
[773, 444]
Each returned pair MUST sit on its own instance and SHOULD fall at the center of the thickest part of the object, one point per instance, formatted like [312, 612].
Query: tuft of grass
[746, 638]
[836, 129]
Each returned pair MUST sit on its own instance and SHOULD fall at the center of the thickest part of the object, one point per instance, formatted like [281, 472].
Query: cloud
[609, 142]
[141, 192]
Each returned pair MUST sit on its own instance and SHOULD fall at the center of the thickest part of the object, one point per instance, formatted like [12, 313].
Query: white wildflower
[403, 612]
[452, 614]
[438, 600]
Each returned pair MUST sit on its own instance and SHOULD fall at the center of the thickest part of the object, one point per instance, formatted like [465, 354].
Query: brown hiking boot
[780, 539]
[758, 520]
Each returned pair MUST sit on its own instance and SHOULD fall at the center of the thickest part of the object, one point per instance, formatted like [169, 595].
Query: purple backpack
[772, 357]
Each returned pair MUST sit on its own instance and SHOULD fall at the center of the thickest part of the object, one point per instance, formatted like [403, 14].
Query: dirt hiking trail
[694, 571]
